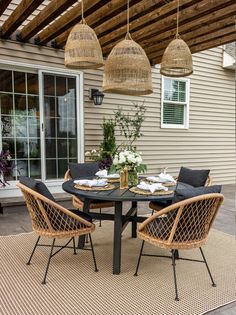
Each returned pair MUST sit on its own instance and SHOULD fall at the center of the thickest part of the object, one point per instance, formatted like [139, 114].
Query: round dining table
[118, 196]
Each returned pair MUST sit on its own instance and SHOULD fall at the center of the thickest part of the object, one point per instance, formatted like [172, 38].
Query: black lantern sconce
[97, 96]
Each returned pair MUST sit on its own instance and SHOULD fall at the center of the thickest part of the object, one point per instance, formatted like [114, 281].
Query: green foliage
[130, 125]
[108, 145]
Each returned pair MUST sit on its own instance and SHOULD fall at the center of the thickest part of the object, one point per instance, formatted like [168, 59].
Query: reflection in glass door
[19, 121]
[59, 123]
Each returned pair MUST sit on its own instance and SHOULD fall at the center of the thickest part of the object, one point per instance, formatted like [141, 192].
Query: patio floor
[15, 220]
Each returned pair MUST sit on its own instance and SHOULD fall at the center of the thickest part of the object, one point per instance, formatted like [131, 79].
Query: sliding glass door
[39, 113]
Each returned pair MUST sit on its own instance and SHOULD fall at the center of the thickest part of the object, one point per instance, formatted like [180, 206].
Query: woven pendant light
[83, 50]
[177, 58]
[127, 69]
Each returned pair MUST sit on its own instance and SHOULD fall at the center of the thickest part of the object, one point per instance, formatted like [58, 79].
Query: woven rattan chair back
[183, 225]
[50, 219]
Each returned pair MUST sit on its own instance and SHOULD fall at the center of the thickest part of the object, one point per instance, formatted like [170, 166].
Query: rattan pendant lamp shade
[177, 58]
[127, 69]
[83, 50]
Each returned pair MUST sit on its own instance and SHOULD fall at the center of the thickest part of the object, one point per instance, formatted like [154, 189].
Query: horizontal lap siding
[208, 143]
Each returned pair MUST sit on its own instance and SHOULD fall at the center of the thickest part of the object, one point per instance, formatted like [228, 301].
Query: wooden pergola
[203, 24]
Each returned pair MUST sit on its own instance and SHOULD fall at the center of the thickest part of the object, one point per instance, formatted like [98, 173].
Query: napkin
[161, 178]
[91, 183]
[151, 187]
[104, 173]
[166, 178]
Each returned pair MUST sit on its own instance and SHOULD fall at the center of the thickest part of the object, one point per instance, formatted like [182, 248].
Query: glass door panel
[20, 128]
[60, 123]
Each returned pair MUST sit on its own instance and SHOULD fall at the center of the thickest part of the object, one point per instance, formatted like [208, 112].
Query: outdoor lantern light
[177, 58]
[97, 96]
[127, 69]
[83, 50]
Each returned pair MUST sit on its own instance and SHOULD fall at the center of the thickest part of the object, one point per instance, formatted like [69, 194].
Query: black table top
[115, 194]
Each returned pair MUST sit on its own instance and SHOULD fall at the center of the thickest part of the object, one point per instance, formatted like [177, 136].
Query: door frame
[37, 68]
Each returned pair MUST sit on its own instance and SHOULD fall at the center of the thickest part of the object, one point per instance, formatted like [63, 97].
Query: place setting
[93, 184]
[155, 185]
[111, 178]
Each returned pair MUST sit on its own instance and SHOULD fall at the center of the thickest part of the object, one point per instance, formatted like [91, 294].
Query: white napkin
[104, 173]
[91, 183]
[154, 179]
[166, 178]
[151, 187]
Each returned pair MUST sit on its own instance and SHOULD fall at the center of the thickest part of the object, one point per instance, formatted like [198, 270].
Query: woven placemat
[109, 186]
[113, 180]
[170, 184]
[136, 190]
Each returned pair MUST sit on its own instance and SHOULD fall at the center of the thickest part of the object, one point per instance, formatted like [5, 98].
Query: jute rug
[74, 288]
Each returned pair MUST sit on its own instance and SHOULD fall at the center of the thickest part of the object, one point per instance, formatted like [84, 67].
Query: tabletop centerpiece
[130, 162]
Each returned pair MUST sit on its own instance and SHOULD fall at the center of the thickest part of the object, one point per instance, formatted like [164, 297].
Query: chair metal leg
[100, 221]
[175, 280]
[94, 259]
[49, 259]
[139, 258]
[176, 253]
[36, 244]
[73, 238]
[208, 269]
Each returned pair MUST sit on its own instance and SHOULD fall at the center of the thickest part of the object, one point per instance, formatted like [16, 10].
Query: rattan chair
[53, 221]
[96, 204]
[185, 227]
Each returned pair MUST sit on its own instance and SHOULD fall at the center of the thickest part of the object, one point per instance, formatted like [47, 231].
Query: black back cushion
[194, 178]
[37, 186]
[78, 170]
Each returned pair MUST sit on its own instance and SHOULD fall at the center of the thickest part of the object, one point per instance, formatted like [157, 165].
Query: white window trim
[186, 112]
[37, 68]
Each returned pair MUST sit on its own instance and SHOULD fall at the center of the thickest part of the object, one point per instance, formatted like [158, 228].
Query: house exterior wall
[208, 143]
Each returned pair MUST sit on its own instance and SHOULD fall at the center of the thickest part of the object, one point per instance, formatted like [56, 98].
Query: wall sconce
[97, 96]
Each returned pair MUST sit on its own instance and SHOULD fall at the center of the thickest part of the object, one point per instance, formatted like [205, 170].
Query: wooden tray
[136, 190]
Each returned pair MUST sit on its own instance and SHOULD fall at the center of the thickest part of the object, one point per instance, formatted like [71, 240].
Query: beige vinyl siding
[208, 143]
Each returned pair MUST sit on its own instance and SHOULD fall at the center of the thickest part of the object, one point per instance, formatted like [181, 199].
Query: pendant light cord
[82, 11]
[177, 29]
[128, 35]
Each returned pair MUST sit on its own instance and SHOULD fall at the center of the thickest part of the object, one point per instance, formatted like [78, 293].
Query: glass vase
[133, 178]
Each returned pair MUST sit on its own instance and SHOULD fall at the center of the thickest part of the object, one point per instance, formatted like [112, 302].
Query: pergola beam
[210, 22]
[19, 15]
[207, 30]
[3, 5]
[117, 25]
[202, 39]
[106, 10]
[65, 22]
[196, 10]
[197, 47]
[47, 15]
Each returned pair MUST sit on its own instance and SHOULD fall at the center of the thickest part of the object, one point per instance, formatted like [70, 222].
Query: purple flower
[5, 166]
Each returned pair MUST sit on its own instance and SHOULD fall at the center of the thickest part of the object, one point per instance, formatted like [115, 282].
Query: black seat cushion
[184, 191]
[79, 170]
[27, 181]
[194, 178]
[163, 225]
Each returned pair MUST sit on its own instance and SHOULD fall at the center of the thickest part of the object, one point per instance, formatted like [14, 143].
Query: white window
[175, 103]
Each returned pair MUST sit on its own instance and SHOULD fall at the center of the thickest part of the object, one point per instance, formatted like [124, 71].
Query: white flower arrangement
[131, 159]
